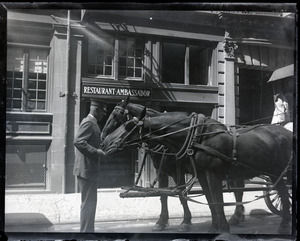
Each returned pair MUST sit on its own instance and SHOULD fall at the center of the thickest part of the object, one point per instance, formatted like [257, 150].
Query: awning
[285, 72]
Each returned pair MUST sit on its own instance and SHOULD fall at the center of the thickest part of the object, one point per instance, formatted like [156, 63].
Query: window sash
[185, 64]
[27, 81]
[126, 59]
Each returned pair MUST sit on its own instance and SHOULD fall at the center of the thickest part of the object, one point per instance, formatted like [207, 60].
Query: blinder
[121, 113]
[130, 128]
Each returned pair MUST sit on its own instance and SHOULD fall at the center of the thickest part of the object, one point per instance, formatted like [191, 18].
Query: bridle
[149, 136]
[121, 113]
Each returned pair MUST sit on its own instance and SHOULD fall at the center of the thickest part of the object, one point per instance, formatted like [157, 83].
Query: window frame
[116, 61]
[187, 58]
[25, 79]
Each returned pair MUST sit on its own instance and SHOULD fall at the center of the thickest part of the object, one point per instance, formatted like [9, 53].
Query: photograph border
[285, 7]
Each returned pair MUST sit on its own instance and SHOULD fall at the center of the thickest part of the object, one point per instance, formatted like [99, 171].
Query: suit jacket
[87, 140]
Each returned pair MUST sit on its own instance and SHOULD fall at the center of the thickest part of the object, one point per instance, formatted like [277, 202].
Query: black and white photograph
[149, 122]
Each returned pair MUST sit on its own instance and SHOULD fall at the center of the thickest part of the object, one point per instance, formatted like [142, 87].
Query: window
[116, 58]
[26, 79]
[173, 55]
[26, 165]
[199, 62]
[185, 64]
[101, 58]
[130, 58]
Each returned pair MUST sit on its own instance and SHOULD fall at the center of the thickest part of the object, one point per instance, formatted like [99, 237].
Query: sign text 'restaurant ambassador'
[115, 91]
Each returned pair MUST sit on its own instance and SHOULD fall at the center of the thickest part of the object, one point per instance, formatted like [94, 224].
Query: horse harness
[194, 140]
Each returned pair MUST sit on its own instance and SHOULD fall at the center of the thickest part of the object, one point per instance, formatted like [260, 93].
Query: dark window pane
[130, 51]
[138, 62]
[122, 61]
[122, 48]
[108, 70]
[31, 105]
[41, 105]
[139, 53]
[122, 72]
[138, 73]
[130, 72]
[8, 103]
[8, 93]
[108, 60]
[100, 52]
[17, 104]
[92, 69]
[100, 59]
[130, 62]
[42, 85]
[18, 74]
[18, 83]
[9, 74]
[18, 94]
[31, 94]
[31, 84]
[32, 75]
[139, 43]
[173, 63]
[42, 95]
[199, 59]
[42, 76]
[9, 83]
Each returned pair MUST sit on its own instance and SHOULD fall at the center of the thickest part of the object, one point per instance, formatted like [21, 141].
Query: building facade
[215, 63]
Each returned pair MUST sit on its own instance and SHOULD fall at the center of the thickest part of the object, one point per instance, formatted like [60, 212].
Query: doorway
[256, 102]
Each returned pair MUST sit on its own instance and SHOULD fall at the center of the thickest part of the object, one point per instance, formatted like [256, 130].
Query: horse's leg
[284, 227]
[206, 191]
[239, 212]
[215, 186]
[162, 222]
[187, 217]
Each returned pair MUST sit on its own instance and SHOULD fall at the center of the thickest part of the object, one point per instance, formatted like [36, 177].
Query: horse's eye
[129, 125]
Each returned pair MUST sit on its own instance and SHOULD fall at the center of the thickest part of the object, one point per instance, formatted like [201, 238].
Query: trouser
[88, 189]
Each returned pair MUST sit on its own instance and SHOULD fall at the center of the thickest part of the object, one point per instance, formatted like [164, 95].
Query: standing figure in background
[281, 112]
[87, 163]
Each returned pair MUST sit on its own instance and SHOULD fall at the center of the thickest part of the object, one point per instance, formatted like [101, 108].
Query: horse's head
[117, 117]
[124, 134]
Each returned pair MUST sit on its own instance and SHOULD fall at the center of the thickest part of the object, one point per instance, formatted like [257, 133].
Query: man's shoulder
[88, 121]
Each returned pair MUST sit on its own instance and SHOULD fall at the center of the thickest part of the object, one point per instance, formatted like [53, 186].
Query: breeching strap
[212, 152]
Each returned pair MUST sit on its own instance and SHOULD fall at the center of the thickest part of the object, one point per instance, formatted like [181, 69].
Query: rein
[192, 141]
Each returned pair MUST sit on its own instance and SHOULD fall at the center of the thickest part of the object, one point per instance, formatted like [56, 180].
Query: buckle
[190, 152]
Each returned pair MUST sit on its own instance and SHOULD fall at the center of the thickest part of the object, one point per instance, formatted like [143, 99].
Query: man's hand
[100, 152]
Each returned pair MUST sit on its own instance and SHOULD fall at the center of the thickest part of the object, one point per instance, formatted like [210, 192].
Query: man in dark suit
[87, 163]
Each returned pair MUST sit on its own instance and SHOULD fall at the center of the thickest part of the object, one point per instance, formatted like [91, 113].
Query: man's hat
[99, 104]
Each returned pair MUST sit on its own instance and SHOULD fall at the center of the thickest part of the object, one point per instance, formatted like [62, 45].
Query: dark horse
[259, 150]
[125, 111]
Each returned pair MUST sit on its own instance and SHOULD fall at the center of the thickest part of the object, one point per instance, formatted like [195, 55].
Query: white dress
[281, 112]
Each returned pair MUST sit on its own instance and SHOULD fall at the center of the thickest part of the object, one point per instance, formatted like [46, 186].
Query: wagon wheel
[273, 200]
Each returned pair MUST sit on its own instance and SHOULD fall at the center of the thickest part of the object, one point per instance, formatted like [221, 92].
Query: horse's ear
[127, 99]
[142, 115]
[124, 103]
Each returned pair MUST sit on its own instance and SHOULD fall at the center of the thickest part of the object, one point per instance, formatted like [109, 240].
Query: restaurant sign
[116, 91]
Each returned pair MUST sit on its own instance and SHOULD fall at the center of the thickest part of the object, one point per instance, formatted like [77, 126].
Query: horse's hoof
[284, 229]
[185, 227]
[236, 219]
[159, 227]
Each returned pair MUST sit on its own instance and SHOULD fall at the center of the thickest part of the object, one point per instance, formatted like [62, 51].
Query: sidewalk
[60, 209]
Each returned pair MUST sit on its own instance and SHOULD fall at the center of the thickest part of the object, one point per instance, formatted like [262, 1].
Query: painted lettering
[116, 91]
